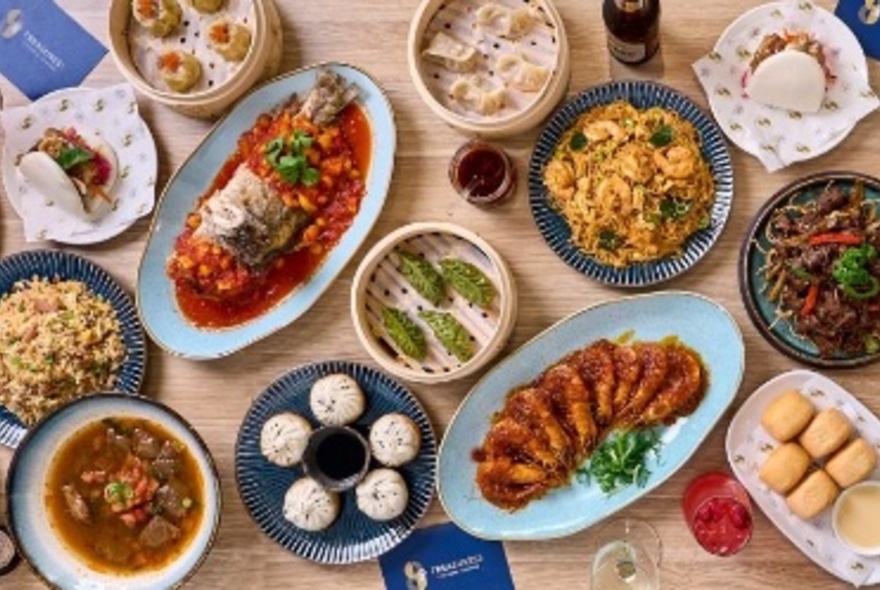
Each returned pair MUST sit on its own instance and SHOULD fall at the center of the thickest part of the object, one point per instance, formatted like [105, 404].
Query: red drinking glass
[719, 513]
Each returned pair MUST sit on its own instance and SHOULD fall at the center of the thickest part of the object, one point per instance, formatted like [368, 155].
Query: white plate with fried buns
[749, 444]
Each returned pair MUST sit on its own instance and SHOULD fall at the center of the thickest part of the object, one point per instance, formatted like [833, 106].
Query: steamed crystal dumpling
[510, 23]
[336, 400]
[284, 438]
[521, 73]
[475, 94]
[382, 495]
[309, 506]
[395, 439]
[179, 70]
[159, 17]
[229, 38]
[450, 53]
[209, 6]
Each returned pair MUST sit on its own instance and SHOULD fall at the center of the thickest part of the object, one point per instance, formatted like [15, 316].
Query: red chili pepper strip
[810, 301]
[843, 237]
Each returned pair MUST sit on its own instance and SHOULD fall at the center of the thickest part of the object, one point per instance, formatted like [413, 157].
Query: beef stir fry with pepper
[125, 495]
[823, 270]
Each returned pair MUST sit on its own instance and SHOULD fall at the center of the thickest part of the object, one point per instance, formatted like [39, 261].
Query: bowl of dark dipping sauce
[482, 173]
[337, 457]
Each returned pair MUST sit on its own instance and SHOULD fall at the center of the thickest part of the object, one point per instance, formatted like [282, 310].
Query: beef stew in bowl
[111, 491]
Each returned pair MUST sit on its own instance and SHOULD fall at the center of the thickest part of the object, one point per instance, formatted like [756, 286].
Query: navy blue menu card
[445, 557]
[42, 48]
[863, 17]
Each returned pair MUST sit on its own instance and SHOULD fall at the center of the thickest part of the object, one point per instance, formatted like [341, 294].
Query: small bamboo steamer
[529, 118]
[372, 277]
[263, 61]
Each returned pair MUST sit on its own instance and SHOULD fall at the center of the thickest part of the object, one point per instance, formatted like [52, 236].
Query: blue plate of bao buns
[286, 489]
[796, 444]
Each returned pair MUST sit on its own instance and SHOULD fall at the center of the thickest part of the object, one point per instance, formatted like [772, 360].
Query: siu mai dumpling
[506, 22]
[209, 6]
[521, 74]
[475, 94]
[450, 53]
[230, 39]
[179, 70]
[159, 17]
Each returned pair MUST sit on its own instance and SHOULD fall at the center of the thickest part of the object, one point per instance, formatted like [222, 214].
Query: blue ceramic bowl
[555, 229]
[753, 257]
[698, 322]
[66, 266]
[353, 536]
[29, 520]
[156, 299]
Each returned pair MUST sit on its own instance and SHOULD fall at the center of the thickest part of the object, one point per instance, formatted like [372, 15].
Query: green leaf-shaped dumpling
[451, 334]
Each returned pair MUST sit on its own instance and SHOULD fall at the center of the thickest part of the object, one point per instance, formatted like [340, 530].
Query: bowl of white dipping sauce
[856, 518]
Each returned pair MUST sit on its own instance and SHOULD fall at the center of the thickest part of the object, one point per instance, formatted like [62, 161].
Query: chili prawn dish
[296, 190]
[810, 270]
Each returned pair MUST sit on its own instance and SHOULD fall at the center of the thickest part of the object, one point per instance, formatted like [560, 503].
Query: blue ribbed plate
[699, 322]
[353, 536]
[555, 229]
[67, 266]
[753, 259]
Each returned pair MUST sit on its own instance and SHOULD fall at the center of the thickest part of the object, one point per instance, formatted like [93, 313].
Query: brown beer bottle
[633, 29]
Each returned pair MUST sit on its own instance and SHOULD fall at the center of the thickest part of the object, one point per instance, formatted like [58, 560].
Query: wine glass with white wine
[627, 556]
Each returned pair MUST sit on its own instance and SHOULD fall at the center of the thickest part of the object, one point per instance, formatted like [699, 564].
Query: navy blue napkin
[863, 17]
[42, 48]
[444, 556]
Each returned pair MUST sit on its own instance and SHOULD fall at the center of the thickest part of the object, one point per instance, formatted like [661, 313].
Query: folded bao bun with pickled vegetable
[75, 173]
[789, 71]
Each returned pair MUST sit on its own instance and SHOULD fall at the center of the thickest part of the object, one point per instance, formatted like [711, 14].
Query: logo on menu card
[870, 12]
[12, 24]
[416, 576]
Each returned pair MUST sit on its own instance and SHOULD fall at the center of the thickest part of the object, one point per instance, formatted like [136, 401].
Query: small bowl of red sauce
[719, 513]
[483, 174]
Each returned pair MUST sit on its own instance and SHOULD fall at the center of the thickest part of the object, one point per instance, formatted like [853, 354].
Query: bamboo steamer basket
[490, 127]
[262, 62]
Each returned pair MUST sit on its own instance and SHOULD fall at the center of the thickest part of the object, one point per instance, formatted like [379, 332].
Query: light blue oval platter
[555, 229]
[55, 264]
[698, 322]
[156, 299]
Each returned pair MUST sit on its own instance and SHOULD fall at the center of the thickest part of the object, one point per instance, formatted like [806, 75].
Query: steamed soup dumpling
[159, 17]
[521, 73]
[382, 495]
[208, 6]
[395, 439]
[336, 400]
[230, 39]
[179, 70]
[309, 506]
[475, 94]
[284, 438]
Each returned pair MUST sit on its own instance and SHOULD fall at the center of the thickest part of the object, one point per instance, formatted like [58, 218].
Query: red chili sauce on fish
[213, 289]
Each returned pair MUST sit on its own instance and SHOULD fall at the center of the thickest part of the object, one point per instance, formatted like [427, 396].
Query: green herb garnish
[422, 276]
[69, 157]
[674, 208]
[289, 160]
[872, 345]
[608, 240]
[851, 273]
[405, 333]
[619, 462]
[577, 142]
[117, 492]
[802, 274]
[451, 334]
[468, 280]
[662, 136]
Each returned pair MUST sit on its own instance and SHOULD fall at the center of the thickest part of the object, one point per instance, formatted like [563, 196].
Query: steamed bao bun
[336, 400]
[284, 438]
[309, 506]
[395, 439]
[382, 495]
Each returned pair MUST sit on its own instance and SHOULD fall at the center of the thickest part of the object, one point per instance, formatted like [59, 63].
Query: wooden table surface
[215, 395]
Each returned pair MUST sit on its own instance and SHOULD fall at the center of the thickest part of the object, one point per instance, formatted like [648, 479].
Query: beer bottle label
[625, 51]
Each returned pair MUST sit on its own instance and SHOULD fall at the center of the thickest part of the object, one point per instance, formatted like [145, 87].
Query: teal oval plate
[156, 300]
[753, 257]
[698, 322]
